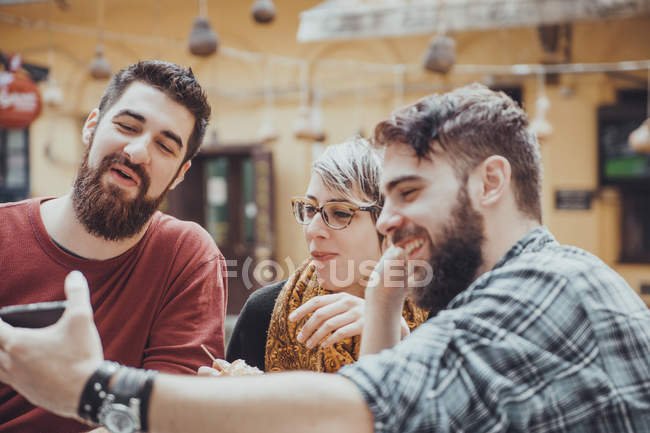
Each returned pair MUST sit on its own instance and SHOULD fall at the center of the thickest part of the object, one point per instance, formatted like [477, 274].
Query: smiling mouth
[412, 246]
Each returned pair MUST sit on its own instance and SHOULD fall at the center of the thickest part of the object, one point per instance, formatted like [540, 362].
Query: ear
[494, 177]
[89, 126]
[181, 174]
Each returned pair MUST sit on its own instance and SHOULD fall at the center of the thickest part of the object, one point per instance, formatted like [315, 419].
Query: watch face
[119, 418]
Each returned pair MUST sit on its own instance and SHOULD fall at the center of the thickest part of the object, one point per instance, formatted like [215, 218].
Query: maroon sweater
[153, 305]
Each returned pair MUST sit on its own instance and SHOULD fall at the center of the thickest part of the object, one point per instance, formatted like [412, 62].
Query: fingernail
[299, 337]
[75, 278]
[325, 345]
[292, 317]
[309, 344]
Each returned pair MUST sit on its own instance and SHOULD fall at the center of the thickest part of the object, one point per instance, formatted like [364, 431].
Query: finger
[404, 328]
[207, 371]
[320, 316]
[78, 295]
[312, 305]
[220, 364]
[5, 332]
[394, 253]
[5, 360]
[341, 334]
[333, 325]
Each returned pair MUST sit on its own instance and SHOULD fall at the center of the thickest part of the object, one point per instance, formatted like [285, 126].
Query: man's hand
[50, 366]
[385, 295]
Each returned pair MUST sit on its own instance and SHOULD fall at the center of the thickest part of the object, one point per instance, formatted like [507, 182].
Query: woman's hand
[221, 367]
[335, 317]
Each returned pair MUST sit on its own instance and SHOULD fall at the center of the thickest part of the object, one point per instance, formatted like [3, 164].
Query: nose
[317, 228]
[388, 219]
[138, 149]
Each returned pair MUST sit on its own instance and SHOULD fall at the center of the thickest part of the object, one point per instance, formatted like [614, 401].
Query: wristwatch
[117, 397]
[118, 415]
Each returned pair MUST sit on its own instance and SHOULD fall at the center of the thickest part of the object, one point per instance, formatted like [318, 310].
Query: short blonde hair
[353, 168]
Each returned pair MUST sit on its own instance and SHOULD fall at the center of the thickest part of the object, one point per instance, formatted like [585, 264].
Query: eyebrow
[311, 197]
[141, 118]
[406, 178]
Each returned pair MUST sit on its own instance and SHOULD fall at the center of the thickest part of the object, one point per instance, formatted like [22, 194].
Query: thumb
[77, 293]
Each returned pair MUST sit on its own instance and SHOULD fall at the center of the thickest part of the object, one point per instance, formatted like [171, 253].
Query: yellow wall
[569, 155]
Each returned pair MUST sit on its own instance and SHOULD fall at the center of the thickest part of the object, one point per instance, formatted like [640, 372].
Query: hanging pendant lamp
[203, 40]
[263, 11]
[441, 54]
[100, 69]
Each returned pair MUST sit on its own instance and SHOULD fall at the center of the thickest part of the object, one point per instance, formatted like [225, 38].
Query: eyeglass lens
[335, 215]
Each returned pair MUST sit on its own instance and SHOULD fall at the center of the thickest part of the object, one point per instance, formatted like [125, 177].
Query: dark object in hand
[38, 315]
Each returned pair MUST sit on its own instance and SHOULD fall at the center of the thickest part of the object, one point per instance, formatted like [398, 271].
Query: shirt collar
[534, 240]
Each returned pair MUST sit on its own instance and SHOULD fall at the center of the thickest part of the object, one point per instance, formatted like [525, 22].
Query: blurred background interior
[288, 77]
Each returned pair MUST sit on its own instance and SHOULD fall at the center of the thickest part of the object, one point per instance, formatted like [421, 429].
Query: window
[635, 233]
[14, 164]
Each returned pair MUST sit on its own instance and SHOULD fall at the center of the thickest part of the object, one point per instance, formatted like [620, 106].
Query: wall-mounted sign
[573, 199]
[20, 100]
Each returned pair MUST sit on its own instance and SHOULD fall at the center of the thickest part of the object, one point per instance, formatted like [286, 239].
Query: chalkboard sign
[619, 164]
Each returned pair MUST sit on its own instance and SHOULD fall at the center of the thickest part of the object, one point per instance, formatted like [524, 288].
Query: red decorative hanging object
[20, 100]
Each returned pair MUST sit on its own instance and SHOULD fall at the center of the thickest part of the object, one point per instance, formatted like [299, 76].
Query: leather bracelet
[135, 383]
[95, 391]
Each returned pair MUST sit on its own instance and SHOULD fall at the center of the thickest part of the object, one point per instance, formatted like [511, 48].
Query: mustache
[117, 158]
[402, 233]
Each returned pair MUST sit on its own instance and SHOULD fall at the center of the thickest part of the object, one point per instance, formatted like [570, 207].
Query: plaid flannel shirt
[550, 340]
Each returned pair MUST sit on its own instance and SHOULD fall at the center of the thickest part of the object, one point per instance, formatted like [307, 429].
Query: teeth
[413, 245]
[123, 174]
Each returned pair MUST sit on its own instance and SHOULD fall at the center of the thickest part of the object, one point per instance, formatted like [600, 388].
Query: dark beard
[104, 210]
[455, 257]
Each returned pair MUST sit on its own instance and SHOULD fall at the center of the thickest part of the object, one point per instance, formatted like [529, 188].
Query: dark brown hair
[469, 125]
[176, 82]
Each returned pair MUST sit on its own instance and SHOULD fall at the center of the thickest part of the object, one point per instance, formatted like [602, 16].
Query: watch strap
[134, 383]
[96, 390]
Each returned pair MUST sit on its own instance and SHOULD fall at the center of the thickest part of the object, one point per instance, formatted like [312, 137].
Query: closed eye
[406, 193]
[165, 148]
[125, 127]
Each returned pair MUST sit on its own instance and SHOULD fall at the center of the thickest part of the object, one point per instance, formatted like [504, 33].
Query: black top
[248, 340]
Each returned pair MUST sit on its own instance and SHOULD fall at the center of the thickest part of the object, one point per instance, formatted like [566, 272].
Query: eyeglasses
[336, 214]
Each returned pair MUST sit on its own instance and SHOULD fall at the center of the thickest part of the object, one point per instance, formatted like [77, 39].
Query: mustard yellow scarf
[284, 352]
